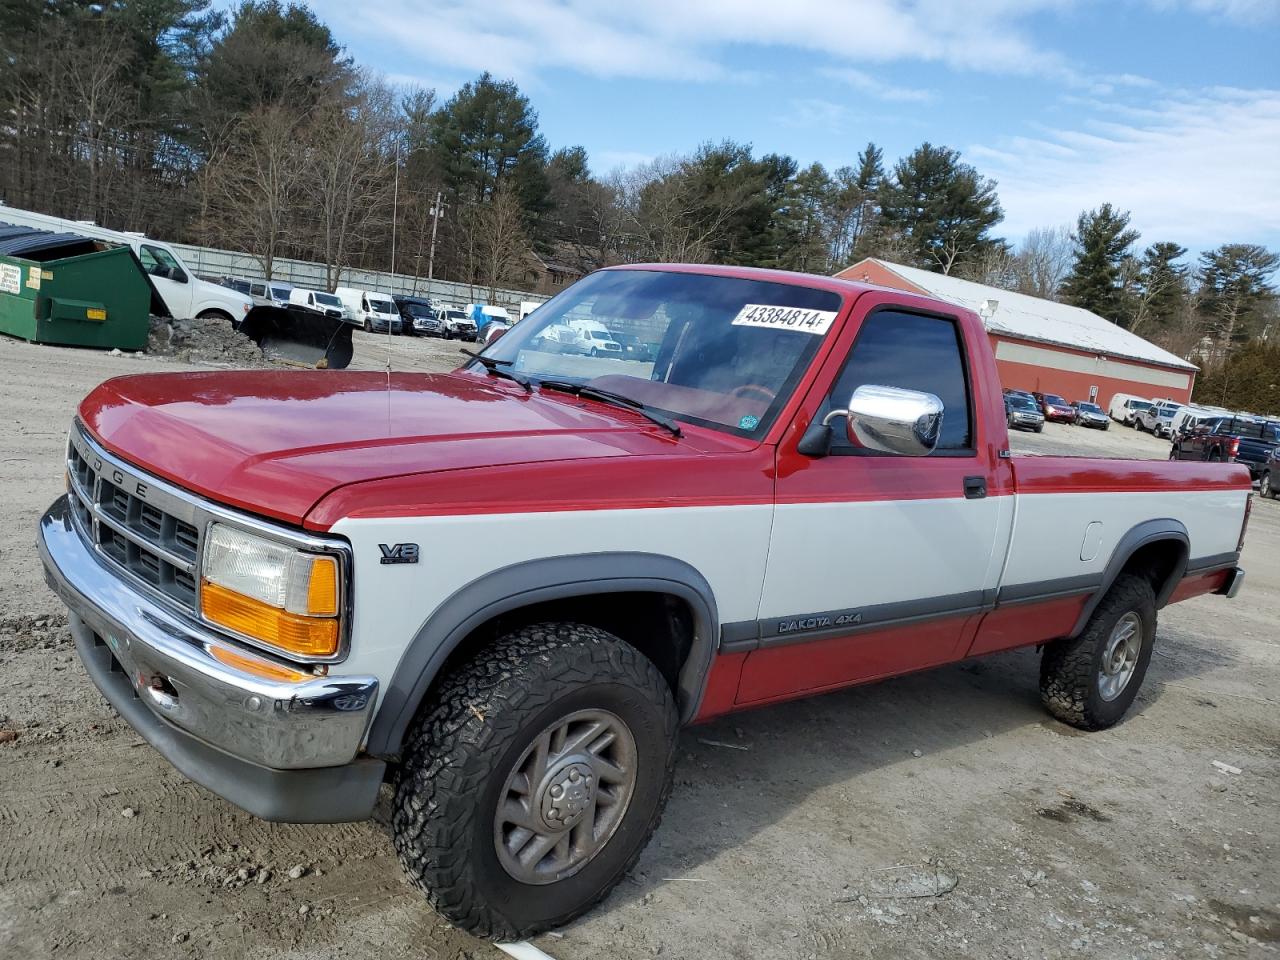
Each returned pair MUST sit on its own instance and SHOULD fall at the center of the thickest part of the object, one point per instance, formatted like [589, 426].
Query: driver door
[878, 564]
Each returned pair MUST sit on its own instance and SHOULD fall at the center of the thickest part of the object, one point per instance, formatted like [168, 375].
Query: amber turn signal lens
[289, 632]
[322, 588]
[256, 665]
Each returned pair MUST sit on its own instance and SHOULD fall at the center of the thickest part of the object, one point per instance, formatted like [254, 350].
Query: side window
[160, 263]
[915, 353]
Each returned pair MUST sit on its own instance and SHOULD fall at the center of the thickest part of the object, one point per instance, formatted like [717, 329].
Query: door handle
[975, 488]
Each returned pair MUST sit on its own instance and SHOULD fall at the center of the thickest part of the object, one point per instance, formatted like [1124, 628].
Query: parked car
[1055, 408]
[1269, 475]
[370, 309]
[1190, 418]
[1090, 415]
[419, 317]
[319, 301]
[633, 348]
[458, 325]
[1157, 419]
[506, 605]
[1125, 408]
[482, 314]
[1242, 439]
[1022, 412]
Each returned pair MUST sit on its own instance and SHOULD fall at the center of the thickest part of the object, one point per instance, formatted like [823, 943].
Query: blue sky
[1167, 108]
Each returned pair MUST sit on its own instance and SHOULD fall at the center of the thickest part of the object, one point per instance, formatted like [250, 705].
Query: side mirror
[892, 420]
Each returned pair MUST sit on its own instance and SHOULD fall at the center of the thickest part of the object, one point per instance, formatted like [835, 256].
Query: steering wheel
[747, 390]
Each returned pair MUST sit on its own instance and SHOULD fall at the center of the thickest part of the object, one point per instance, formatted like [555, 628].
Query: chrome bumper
[172, 667]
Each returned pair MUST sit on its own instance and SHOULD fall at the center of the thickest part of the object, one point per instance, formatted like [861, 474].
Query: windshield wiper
[617, 399]
[495, 367]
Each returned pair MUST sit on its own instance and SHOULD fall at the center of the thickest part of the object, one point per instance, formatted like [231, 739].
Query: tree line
[254, 130]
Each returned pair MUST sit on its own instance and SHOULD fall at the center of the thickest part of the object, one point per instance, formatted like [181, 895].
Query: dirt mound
[203, 341]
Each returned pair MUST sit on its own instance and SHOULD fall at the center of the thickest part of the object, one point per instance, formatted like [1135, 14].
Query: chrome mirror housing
[892, 420]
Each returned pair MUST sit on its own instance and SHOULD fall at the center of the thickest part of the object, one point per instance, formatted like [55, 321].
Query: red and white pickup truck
[506, 588]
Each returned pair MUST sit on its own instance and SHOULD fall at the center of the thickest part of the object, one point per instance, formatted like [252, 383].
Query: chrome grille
[153, 532]
[157, 543]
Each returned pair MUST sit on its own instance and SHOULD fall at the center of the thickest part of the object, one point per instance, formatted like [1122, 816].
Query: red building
[1046, 346]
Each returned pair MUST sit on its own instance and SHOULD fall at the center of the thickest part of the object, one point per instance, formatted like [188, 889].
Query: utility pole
[436, 209]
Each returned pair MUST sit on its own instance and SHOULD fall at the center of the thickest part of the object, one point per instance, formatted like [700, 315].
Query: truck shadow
[867, 749]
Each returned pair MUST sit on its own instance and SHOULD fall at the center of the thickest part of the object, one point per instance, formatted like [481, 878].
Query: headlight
[268, 591]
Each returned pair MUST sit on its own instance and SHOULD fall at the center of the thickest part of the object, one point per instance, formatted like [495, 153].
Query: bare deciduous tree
[254, 182]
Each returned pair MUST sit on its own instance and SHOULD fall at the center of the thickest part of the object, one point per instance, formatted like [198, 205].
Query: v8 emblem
[399, 552]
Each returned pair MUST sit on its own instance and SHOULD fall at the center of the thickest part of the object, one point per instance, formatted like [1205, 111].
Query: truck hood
[276, 442]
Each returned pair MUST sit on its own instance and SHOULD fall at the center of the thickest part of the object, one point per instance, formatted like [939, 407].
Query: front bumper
[279, 749]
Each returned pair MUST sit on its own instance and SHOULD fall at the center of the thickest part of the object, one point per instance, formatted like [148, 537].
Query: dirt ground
[793, 832]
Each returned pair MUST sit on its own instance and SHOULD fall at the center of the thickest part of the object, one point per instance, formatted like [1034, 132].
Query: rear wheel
[532, 785]
[1175, 453]
[1216, 456]
[1090, 681]
[1264, 485]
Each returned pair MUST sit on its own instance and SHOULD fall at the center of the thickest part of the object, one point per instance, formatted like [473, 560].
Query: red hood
[277, 442]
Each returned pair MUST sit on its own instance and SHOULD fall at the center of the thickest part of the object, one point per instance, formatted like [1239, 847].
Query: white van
[595, 339]
[185, 294]
[1125, 408]
[374, 311]
[319, 301]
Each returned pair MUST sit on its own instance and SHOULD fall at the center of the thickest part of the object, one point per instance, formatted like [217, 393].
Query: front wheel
[1264, 486]
[531, 786]
[1090, 681]
[1175, 453]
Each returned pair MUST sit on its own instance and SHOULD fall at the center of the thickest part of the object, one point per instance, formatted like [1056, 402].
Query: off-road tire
[461, 749]
[1069, 668]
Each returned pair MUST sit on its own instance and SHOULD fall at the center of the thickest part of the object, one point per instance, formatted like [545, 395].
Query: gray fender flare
[1144, 534]
[537, 581]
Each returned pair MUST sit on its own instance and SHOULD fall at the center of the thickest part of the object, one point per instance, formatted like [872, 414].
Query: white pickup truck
[506, 588]
[185, 294]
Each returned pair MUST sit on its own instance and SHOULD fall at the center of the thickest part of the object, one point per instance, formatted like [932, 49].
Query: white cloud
[1195, 167]
[683, 40]
[815, 113]
[1240, 11]
[864, 82]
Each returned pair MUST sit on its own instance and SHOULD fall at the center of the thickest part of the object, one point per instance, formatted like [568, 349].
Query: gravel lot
[793, 830]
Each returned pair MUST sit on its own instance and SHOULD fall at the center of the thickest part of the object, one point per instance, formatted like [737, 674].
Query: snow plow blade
[299, 336]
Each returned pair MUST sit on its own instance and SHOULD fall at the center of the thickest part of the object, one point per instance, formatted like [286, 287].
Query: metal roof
[1032, 318]
[18, 241]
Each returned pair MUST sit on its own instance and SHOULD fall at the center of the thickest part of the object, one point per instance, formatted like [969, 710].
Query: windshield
[729, 352]
[419, 310]
[1052, 398]
[328, 299]
[1020, 402]
[455, 315]
[1089, 407]
[1168, 409]
[282, 293]
[381, 306]
[1139, 405]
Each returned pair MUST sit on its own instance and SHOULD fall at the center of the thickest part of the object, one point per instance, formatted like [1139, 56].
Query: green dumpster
[68, 289]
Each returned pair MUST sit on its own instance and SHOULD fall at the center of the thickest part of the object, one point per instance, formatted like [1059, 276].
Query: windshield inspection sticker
[785, 318]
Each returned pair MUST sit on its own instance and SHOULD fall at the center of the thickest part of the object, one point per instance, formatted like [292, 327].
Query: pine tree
[1236, 292]
[1102, 241]
[942, 208]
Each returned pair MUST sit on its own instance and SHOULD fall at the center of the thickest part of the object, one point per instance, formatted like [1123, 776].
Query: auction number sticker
[785, 318]
[10, 278]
